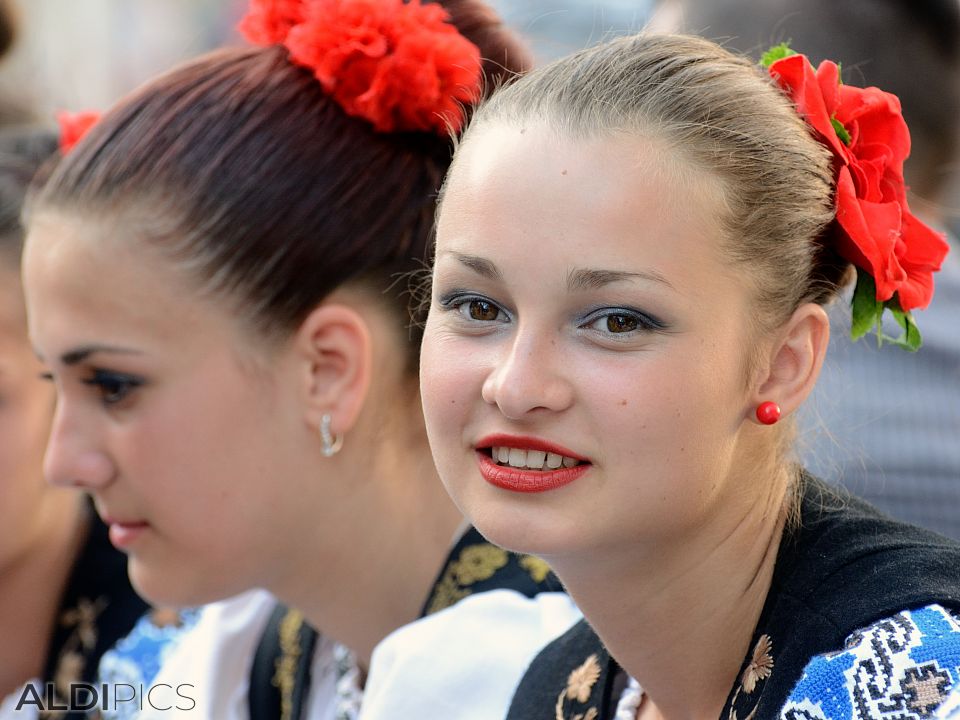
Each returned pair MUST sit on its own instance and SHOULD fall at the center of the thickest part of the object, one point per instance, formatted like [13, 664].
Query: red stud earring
[768, 413]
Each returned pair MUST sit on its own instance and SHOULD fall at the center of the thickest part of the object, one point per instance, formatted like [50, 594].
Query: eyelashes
[615, 322]
[113, 387]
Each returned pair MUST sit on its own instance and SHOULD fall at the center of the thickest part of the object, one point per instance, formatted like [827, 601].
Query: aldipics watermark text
[86, 697]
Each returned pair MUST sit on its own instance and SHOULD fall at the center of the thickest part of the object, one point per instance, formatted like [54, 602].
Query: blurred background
[79, 54]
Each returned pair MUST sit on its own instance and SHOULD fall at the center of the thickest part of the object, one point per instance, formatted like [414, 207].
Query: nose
[528, 377]
[72, 458]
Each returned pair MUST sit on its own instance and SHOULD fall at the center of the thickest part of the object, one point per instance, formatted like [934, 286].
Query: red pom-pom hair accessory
[895, 254]
[73, 126]
[400, 65]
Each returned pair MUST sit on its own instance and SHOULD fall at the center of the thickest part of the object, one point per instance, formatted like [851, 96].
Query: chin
[530, 525]
[162, 587]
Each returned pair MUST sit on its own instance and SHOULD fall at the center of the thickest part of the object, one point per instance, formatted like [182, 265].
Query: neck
[686, 603]
[381, 553]
[31, 586]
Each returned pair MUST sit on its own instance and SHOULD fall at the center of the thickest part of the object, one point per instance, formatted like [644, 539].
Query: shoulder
[844, 542]
[464, 661]
[904, 665]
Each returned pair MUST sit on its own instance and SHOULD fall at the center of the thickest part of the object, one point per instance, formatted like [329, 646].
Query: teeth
[535, 459]
[531, 459]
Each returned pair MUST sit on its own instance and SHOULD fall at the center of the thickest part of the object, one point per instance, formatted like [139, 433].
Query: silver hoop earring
[331, 443]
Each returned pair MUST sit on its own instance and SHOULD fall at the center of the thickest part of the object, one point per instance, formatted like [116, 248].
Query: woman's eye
[113, 387]
[622, 322]
[473, 308]
[480, 310]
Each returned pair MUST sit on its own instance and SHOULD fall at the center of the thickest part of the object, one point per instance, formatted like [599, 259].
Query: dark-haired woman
[214, 280]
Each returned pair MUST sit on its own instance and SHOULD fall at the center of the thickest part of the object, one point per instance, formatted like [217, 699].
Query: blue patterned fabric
[136, 659]
[901, 668]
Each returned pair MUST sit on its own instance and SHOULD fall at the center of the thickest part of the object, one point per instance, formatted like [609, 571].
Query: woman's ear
[795, 359]
[334, 349]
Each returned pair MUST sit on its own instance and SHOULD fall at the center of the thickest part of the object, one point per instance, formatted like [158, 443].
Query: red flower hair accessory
[400, 65]
[895, 253]
[73, 126]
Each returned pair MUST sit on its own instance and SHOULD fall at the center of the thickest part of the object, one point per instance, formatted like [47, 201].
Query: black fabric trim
[98, 579]
[264, 698]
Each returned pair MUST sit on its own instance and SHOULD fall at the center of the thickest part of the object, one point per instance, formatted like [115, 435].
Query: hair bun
[504, 54]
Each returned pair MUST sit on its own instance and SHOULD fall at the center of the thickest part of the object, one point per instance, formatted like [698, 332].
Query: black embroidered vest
[845, 567]
[280, 676]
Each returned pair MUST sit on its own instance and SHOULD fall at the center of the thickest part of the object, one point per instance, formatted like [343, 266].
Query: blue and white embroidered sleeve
[135, 660]
[901, 668]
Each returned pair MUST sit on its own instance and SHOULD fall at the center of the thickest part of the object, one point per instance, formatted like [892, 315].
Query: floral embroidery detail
[579, 686]
[760, 666]
[475, 564]
[758, 669]
[84, 620]
[582, 680]
[925, 688]
[537, 568]
[479, 562]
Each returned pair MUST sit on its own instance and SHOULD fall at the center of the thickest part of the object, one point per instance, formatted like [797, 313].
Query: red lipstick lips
[526, 480]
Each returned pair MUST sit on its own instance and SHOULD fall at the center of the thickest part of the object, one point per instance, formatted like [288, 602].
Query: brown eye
[483, 311]
[622, 323]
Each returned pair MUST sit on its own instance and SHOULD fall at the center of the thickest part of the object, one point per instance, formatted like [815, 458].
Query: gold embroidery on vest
[475, 564]
[537, 568]
[580, 684]
[285, 676]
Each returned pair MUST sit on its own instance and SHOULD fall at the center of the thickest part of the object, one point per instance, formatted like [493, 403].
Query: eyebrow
[587, 279]
[74, 357]
[577, 281]
[481, 266]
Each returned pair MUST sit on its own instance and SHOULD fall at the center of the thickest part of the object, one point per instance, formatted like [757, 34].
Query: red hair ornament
[895, 253]
[73, 126]
[402, 66]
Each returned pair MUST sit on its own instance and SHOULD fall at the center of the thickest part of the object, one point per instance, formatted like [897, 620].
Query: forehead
[89, 281]
[617, 194]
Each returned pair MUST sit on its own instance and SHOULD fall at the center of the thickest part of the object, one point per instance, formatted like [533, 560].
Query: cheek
[450, 382]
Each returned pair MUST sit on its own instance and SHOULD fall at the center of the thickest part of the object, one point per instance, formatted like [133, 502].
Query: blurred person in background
[894, 420]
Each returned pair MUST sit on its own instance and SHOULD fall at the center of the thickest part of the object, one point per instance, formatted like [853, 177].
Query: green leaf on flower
[777, 52]
[868, 316]
[910, 339]
[841, 131]
[867, 310]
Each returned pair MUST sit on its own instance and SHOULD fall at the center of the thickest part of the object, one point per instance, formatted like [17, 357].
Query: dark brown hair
[240, 166]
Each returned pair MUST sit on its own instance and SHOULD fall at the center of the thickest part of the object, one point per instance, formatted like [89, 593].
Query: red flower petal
[73, 126]
[795, 75]
[871, 231]
[400, 65]
[923, 253]
[267, 22]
